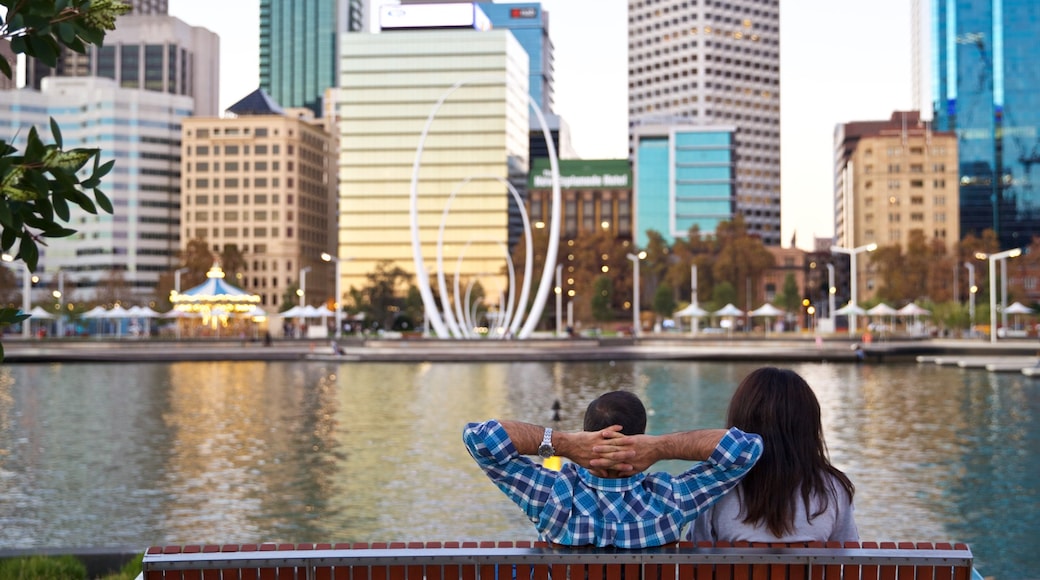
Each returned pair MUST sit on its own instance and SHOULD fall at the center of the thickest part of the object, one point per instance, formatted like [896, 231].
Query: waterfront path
[779, 349]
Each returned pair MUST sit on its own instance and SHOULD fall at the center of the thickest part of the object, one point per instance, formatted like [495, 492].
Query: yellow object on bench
[538, 561]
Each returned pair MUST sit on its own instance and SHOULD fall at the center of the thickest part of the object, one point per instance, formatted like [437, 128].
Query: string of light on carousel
[216, 301]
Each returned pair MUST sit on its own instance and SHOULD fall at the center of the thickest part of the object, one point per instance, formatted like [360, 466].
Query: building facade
[891, 178]
[475, 146]
[141, 132]
[153, 52]
[986, 87]
[529, 23]
[684, 177]
[714, 63]
[263, 180]
[299, 47]
[596, 196]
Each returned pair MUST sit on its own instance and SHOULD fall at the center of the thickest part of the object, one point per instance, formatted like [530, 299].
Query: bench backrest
[537, 561]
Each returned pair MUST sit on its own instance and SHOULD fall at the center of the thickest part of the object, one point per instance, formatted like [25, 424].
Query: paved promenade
[667, 347]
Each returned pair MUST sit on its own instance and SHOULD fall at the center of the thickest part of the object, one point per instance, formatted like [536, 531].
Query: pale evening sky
[841, 61]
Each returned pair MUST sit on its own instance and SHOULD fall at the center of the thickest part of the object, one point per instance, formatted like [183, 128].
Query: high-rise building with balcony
[141, 132]
[711, 64]
[986, 87]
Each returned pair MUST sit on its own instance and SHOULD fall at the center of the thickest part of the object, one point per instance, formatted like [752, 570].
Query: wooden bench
[538, 561]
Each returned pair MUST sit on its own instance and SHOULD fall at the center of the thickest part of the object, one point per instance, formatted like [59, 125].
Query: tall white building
[478, 141]
[141, 131]
[714, 63]
[150, 51]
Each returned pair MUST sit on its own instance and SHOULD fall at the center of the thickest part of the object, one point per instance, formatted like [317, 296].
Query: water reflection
[136, 454]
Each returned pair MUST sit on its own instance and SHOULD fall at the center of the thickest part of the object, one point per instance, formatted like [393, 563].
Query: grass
[59, 568]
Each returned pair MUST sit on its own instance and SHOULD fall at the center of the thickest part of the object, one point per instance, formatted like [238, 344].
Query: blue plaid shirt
[572, 507]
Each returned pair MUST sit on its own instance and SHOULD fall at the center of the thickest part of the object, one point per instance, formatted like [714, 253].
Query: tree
[603, 299]
[789, 298]
[232, 261]
[664, 301]
[40, 184]
[741, 257]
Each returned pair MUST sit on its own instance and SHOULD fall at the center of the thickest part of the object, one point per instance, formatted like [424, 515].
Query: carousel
[222, 309]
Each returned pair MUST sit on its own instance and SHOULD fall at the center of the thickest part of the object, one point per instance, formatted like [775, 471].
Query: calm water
[140, 454]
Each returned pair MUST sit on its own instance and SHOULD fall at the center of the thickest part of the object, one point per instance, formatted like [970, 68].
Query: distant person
[577, 506]
[793, 494]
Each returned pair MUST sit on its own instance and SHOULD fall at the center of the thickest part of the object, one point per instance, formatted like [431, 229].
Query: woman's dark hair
[781, 407]
[616, 408]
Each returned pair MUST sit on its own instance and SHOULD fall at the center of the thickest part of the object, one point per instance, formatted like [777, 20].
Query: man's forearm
[686, 445]
[525, 436]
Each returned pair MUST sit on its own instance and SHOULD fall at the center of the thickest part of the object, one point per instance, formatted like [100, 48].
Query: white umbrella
[729, 310]
[295, 312]
[142, 312]
[39, 313]
[96, 312]
[882, 310]
[692, 311]
[1018, 308]
[912, 309]
[850, 308]
[767, 309]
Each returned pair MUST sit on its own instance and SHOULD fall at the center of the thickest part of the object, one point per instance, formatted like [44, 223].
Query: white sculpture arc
[433, 313]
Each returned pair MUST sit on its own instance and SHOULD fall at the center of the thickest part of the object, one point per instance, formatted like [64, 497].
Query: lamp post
[993, 258]
[303, 285]
[852, 253]
[58, 295]
[559, 298]
[831, 290]
[327, 257]
[972, 290]
[26, 294]
[635, 291]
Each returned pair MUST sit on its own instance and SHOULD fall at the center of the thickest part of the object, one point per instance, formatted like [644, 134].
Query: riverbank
[664, 347]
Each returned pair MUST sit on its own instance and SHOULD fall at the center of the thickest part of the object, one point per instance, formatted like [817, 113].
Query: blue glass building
[530, 26]
[684, 177]
[986, 84]
[299, 47]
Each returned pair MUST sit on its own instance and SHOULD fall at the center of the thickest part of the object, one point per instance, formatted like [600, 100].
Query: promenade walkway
[793, 349]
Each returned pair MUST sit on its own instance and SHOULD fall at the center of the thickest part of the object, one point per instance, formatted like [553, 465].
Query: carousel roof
[214, 291]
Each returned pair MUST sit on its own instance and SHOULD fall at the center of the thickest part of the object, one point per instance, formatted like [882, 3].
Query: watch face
[546, 451]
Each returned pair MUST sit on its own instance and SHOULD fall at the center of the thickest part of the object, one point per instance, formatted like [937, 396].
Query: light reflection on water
[211, 452]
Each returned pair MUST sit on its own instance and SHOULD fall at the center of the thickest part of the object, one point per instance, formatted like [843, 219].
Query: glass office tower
[299, 47]
[987, 88]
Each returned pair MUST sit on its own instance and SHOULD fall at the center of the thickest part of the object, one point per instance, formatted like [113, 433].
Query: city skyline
[822, 85]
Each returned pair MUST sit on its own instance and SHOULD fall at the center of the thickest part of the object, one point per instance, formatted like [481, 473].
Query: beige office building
[477, 143]
[893, 177]
[262, 181]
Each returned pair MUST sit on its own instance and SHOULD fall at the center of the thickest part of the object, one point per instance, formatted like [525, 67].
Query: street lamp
[993, 285]
[58, 294]
[559, 298]
[303, 285]
[327, 257]
[972, 290]
[831, 290]
[26, 294]
[852, 253]
[635, 291]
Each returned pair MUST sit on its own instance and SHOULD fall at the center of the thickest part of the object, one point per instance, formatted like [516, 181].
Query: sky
[840, 61]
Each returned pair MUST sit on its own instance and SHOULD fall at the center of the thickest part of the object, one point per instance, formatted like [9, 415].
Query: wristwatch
[546, 449]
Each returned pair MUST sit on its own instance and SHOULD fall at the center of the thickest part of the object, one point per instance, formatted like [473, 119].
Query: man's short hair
[616, 408]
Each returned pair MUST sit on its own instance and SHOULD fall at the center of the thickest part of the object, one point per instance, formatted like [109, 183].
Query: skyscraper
[987, 89]
[150, 51]
[141, 131]
[713, 63]
[299, 47]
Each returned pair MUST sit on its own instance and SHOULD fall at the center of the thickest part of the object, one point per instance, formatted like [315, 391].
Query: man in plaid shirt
[580, 506]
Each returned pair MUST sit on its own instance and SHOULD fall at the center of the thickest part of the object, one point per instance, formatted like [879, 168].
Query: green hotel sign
[582, 174]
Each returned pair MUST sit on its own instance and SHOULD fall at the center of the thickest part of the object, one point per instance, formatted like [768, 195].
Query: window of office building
[129, 73]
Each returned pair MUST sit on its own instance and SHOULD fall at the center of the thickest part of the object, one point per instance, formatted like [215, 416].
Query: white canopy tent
[729, 311]
[769, 312]
[694, 313]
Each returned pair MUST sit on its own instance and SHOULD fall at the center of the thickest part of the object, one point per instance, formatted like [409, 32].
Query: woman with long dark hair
[793, 493]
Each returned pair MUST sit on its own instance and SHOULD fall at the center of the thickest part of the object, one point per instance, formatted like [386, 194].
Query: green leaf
[8, 237]
[5, 67]
[66, 32]
[104, 169]
[28, 251]
[56, 132]
[103, 201]
[34, 147]
[44, 48]
[57, 231]
[5, 215]
[61, 207]
[70, 161]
